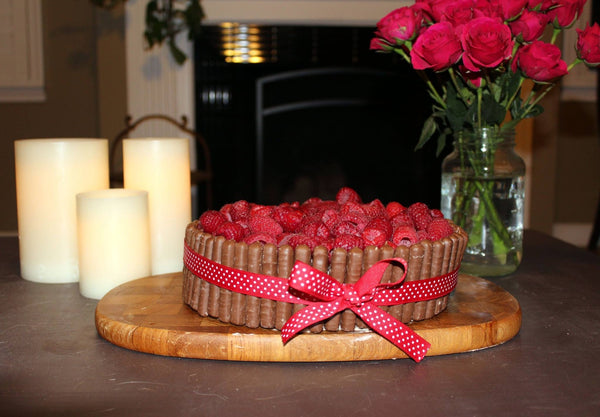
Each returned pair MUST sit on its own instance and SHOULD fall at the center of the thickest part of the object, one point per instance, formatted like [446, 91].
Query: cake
[342, 237]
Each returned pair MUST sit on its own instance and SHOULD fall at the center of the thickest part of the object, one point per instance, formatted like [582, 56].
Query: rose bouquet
[476, 57]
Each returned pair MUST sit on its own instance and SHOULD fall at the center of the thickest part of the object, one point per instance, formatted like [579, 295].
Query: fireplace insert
[355, 123]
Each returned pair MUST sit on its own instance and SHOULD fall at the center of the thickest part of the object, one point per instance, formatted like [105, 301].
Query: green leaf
[456, 110]
[492, 112]
[535, 111]
[516, 109]
[429, 128]
[441, 143]
[177, 53]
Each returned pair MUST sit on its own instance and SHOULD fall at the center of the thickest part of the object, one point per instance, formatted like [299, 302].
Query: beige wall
[84, 63]
[72, 107]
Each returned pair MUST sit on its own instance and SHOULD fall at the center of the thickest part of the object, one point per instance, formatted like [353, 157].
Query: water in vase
[490, 210]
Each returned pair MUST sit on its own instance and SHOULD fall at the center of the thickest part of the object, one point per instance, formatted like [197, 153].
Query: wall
[72, 107]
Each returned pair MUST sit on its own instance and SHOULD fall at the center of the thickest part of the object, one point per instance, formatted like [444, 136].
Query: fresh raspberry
[374, 237]
[226, 210]
[290, 218]
[260, 237]
[374, 209]
[405, 235]
[211, 220]
[240, 210]
[244, 224]
[284, 238]
[352, 208]
[402, 218]
[316, 230]
[346, 228]
[439, 229]
[357, 219]
[348, 242]
[422, 235]
[298, 239]
[330, 218]
[420, 215]
[260, 210]
[346, 194]
[436, 214]
[312, 202]
[263, 224]
[394, 208]
[231, 231]
[328, 243]
[380, 223]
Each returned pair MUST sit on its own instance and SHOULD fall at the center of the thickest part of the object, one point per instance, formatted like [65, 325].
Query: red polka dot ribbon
[324, 296]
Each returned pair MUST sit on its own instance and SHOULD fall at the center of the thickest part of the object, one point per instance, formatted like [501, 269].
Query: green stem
[457, 86]
[476, 184]
[577, 61]
[515, 94]
[555, 34]
[401, 52]
[479, 101]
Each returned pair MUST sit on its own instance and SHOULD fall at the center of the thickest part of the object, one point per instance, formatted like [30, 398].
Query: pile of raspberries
[344, 223]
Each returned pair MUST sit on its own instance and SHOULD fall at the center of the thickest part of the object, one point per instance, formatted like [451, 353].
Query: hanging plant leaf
[165, 20]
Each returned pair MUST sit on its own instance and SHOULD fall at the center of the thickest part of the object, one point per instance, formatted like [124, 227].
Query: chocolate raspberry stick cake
[342, 239]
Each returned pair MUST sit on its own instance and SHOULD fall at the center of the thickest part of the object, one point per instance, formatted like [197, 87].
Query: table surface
[52, 361]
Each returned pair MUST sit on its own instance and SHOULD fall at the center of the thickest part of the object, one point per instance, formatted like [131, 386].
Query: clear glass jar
[483, 191]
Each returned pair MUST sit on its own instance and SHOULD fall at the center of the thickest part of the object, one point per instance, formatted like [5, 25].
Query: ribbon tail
[308, 316]
[394, 330]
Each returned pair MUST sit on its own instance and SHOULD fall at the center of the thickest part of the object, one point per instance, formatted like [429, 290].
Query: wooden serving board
[148, 315]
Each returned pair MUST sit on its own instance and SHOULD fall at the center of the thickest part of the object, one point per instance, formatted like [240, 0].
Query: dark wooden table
[52, 361]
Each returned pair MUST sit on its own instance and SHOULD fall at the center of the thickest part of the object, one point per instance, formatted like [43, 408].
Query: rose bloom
[437, 48]
[460, 12]
[402, 23]
[564, 12]
[486, 42]
[541, 5]
[588, 44]
[489, 8]
[512, 8]
[540, 61]
[530, 25]
[436, 8]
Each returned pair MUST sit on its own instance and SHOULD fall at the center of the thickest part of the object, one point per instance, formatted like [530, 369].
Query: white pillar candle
[49, 173]
[161, 166]
[114, 239]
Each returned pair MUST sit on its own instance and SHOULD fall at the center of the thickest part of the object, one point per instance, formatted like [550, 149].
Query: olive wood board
[148, 315]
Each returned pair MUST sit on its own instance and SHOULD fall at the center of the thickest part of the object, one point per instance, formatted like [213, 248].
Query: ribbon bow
[359, 297]
[324, 296]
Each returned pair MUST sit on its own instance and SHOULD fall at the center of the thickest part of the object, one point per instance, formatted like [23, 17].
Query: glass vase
[483, 187]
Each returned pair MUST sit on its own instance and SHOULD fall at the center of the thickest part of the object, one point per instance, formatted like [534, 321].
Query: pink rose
[437, 48]
[486, 42]
[530, 25]
[401, 24]
[540, 5]
[564, 12]
[460, 12]
[540, 61]
[378, 44]
[512, 8]
[588, 44]
[437, 8]
[471, 77]
[489, 8]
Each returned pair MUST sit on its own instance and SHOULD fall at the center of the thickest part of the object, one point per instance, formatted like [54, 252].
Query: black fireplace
[361, 132]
